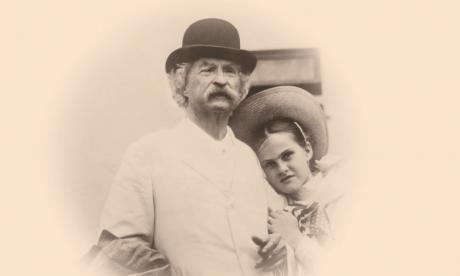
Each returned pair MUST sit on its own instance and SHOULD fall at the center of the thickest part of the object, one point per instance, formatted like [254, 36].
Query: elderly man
[189, 200]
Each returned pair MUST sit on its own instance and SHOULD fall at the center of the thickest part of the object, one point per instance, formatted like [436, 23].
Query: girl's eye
[269, 165]
[287, 155]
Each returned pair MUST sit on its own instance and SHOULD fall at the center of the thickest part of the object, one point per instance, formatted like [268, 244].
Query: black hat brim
[191, 53]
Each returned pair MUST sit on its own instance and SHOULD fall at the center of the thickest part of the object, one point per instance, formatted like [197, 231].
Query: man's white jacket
[196, 200]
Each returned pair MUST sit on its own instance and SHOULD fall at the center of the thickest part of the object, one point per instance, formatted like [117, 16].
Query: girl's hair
[301, 136]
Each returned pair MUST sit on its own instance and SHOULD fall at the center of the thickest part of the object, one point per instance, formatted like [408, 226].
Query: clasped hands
[282, 228]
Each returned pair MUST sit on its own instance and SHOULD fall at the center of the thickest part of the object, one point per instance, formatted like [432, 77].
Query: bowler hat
[282, 102]
[212, 38]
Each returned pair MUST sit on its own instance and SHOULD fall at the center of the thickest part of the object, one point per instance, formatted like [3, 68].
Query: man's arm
[127, 226]
[272, 251]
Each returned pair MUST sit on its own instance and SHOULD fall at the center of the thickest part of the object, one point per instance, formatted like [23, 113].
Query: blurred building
[297, 67]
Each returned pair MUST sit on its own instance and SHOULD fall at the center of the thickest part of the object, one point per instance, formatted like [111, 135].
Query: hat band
[301, 132]
[299, 128]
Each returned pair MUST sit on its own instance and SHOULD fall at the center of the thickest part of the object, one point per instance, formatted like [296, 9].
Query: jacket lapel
[194, 154]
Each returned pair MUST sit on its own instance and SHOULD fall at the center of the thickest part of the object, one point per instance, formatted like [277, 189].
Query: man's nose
[220, 78]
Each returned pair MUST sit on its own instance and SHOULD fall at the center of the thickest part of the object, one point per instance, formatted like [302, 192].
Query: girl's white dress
[316, 217]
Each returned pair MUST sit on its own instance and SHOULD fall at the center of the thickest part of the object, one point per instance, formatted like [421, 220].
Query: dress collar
[327, 184]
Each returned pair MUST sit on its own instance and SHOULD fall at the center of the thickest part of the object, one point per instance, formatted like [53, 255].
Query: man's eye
[206, 70]
[230, 71]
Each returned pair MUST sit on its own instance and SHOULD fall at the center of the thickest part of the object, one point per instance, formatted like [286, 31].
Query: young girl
[286, 128]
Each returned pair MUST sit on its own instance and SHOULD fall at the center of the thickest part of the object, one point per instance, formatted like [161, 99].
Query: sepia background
[82, 80]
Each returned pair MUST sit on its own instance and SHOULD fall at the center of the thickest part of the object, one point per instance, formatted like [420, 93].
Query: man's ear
[245, 82]
[309, 150]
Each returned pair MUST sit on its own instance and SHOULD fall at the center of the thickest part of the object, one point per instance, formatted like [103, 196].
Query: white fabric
[330, 186]
[195, 199]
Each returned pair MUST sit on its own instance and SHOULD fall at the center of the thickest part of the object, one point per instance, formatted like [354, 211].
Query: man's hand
[272, 251]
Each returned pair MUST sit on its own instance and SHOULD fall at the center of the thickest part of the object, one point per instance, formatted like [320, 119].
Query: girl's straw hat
[287, 102]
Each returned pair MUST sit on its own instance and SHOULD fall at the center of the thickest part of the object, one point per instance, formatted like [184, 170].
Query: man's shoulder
[155, 137]
[247, 155]
[154, 141]
[243, 147]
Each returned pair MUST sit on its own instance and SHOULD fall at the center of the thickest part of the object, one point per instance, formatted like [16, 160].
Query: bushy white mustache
[222, 92]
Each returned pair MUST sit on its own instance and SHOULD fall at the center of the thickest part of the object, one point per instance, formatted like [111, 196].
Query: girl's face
[285, 162]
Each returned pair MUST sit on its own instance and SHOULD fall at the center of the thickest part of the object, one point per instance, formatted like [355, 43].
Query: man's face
[214, 85]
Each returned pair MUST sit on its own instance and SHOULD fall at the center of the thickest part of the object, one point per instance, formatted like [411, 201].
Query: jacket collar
[199, 151]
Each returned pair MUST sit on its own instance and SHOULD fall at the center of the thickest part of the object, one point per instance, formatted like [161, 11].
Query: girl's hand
[285, 224]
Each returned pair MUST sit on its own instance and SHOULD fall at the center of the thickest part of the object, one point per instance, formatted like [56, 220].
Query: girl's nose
[283, 168]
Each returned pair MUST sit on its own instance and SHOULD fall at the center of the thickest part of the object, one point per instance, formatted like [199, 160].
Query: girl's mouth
[286, 178]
